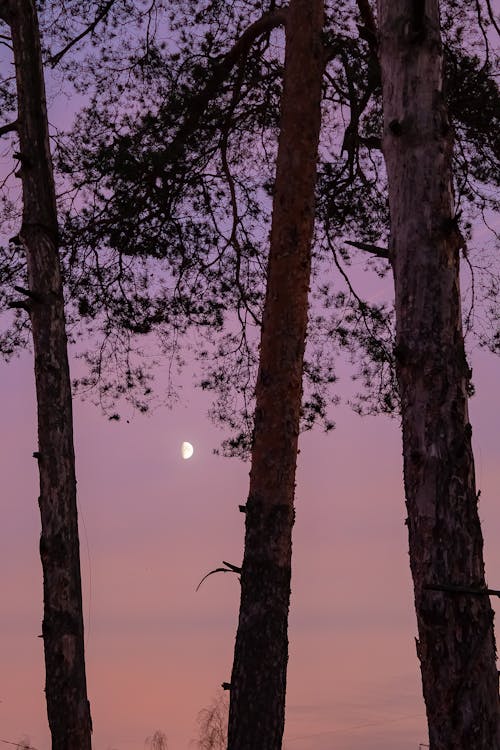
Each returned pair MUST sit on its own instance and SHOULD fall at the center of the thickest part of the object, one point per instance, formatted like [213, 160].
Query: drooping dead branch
[229, 568]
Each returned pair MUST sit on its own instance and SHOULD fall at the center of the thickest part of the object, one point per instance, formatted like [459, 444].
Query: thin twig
[492, 16]
[230, 568]
[99, 17]
[462, 590]
[19, 745]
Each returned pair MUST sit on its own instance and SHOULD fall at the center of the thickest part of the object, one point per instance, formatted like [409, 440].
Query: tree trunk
[258, 682]
[456, 644]
[66, 693]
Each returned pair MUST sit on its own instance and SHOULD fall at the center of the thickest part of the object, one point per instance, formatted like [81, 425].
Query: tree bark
[66, 693]
[258, 682]
[456, 644]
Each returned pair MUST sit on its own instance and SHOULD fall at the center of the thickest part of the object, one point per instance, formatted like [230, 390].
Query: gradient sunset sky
[151, 525]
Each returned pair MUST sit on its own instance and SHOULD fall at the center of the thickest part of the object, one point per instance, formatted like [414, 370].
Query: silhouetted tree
[185, 186]
[258, 680]
[157, 741]
[456, 645]
[212, 725]
[62, 630]
[175, 162]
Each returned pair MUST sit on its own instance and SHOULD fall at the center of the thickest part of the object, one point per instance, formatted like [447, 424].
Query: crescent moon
[187, 450]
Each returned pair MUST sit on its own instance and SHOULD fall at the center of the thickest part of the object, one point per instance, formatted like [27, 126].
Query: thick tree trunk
[66, 692]
[456, 644]
[258, 682]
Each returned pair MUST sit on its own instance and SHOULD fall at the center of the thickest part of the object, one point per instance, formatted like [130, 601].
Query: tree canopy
[166, 183]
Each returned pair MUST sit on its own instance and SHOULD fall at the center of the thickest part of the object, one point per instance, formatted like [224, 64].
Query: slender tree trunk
[456, 644]
[258, 682]
[66, 693]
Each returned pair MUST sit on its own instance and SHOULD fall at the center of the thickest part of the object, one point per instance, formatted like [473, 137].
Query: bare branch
[484, 33]
[492, 17]
[6, 41]
[462, 590]
[19, 745]
[380, 252]
[20, 305]
[34, 296]
[233, 240]
[8, 128]
[234, 568]
[230, 568]
[55, 59]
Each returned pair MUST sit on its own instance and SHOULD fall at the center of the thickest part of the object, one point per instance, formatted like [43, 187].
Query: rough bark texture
[258, 682]
[456, 644]
[66, 692]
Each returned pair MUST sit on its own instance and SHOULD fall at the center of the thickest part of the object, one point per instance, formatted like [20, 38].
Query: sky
[152, 525]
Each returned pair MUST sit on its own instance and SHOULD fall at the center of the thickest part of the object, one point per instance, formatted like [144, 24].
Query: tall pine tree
[62, 629]
[456, 644]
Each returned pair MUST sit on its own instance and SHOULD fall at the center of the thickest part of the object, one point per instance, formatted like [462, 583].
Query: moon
[187, 450]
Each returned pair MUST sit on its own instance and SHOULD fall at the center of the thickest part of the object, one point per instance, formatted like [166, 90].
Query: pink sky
[156, 650]
[152, 525]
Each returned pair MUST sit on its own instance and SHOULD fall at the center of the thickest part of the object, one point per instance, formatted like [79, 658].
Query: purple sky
[153, 524]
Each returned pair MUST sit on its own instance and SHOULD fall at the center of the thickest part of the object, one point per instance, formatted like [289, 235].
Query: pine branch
[90, 28]
[199, 102]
